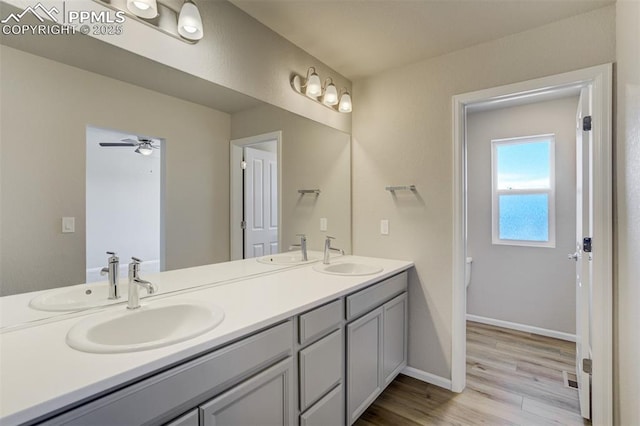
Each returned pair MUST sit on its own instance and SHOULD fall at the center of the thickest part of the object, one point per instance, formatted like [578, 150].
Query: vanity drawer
[328, 411]
[320, 368]
[162, 397]
[320, 321]
[374, 296]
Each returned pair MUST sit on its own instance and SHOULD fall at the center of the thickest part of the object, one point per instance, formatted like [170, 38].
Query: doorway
[597, 81]
[255, 195]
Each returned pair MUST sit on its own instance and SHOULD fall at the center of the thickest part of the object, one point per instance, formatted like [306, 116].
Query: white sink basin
[154, 325]
[348, 268]
[75, 298]
[290, 258]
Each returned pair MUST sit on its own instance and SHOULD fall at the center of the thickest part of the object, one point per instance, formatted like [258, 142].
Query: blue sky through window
[524, 165]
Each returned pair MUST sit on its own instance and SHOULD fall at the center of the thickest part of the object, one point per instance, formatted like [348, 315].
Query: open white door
[583, 255]
[260, 203]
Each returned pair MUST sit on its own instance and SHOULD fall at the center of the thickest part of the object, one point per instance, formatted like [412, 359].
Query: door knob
[573, 256]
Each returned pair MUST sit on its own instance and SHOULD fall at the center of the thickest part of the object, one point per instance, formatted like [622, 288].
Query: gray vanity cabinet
[394, 339]
[264, 400]
[364, 362]
[192, 418]
[376, 341]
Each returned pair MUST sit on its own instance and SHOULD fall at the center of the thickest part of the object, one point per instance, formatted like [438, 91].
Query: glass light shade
[314, 87]
[330, 95]
[190, 22]
[345, 103]
[146, 9]
[145, 149]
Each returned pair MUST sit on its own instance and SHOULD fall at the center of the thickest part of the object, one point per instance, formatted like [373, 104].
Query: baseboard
[522, 327]
[427, 377]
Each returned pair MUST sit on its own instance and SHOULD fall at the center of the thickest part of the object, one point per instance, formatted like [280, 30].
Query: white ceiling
[363, 37]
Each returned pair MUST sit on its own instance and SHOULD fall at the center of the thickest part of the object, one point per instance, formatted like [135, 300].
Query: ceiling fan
[143, 145]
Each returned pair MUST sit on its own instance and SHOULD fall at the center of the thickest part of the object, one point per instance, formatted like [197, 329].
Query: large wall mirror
[62, 97]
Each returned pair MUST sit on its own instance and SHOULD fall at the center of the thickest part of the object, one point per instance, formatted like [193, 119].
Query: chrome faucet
[134, 282]
[328, 249]
[302, 245]
[113, 270]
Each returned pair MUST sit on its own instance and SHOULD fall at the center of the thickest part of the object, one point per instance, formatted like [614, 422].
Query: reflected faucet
[328, 249]
[113, 270]
[302, 245]
[134, 282]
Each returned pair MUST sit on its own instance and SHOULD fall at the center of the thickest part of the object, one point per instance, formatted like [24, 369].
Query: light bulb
[146, 9]
[144, 149]
[330, 95]
[314, 87]
[190, 22]
[345, 102]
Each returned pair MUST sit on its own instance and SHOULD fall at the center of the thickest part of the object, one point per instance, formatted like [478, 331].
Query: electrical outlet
[323, 223]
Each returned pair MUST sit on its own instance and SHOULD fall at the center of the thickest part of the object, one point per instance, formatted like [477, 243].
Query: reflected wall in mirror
[46, 108]
[123, 200]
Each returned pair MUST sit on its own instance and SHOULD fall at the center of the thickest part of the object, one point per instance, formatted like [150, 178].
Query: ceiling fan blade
[132, 141]
[117, 144]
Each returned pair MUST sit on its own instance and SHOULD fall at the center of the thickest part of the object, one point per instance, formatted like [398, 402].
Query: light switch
[68, 225]
[323, 223]
[384, 226]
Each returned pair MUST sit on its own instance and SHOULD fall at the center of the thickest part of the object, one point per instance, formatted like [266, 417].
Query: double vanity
[276, 342]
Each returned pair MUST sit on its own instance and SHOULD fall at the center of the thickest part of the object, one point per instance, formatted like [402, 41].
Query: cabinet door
[264, 400]
[395, 337]
[364, 362]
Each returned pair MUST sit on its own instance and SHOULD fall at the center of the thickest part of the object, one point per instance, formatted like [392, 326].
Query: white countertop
[39, 373]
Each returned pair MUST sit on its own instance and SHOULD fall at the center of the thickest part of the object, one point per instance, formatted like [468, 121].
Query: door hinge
[243, 225]
[586, 123]
[586, 244]
[243, 165]
[587, 366]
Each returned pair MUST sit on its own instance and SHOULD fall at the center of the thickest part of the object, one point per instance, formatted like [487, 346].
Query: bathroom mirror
[54, 87]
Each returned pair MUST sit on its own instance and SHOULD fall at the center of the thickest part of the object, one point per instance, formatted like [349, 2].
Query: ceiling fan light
[190, 21]
[145, 149]
[147, 9]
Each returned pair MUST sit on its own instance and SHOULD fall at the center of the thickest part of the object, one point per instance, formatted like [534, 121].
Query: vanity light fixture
[345, 102]
[190, 21]
[177, 18]
[147, 9]
[330, 96]
[325, 94]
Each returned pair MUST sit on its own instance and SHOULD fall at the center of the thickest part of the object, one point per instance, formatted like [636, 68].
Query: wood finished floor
[513, 378]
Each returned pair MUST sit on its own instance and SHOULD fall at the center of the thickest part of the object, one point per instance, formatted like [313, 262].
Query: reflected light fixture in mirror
[325, 94]
[184, 23]
[146, 9]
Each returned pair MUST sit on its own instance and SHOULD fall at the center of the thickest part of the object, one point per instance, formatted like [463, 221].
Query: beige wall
[402, 135]
[627, 321]
[313, 156]
[45, 108]
[533, 286]
[237, 52]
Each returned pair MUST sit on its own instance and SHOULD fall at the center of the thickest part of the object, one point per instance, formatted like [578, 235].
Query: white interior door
[260, 203]
[584, 202]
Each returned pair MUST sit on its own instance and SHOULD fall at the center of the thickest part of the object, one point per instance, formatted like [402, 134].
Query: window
[523, 191]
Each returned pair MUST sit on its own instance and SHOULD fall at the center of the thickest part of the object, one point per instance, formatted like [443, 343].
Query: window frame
[551, 191]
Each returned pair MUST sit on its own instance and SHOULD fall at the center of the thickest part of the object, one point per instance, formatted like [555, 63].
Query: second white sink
[153, 325]
[348, 268]
[75, 298]
[289, 258]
